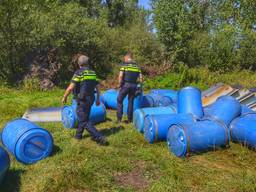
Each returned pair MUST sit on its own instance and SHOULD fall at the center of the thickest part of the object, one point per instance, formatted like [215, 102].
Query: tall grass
[201, 78]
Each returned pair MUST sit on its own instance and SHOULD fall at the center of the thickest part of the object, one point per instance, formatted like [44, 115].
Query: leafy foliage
[217, 34]
[99, 29]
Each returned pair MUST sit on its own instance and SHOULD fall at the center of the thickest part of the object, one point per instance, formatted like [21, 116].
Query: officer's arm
[141, 78]
[120, 78]
[67, 92]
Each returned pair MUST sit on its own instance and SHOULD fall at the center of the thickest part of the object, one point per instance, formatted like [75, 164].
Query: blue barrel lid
[177, 140]
[189, 87]
[138, 115]
[68, 117]
[34, 145]
[150, 129]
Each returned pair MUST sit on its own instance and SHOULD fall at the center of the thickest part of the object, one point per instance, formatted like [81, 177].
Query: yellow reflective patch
[133, 69]
[76, 78]
[89, 77]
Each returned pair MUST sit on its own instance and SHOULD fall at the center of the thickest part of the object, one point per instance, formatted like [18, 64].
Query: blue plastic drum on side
[243, 130]
[28, 142]
[225, 109]
[151, 100]
[69, 117]
[165, 101]
[110, 98]
[137, 103]
[201, 136]
[172, 95]
[156, 126]
[245, 110]
[139, 115]
[163, 91]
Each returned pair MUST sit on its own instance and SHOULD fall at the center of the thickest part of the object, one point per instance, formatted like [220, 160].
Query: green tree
[14, 30]
[217, 34]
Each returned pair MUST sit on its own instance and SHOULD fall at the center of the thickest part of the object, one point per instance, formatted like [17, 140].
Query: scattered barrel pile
[189, 121]
[190, 128]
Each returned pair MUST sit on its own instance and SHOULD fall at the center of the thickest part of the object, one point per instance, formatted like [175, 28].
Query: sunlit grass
[85, 166]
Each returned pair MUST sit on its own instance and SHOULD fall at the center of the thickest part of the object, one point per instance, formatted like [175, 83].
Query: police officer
[83, 85]
[129, 77]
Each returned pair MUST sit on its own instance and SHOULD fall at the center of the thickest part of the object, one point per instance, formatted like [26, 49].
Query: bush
[202, 78]
[73, 27]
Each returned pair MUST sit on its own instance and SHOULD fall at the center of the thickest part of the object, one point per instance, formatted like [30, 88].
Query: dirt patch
[133, 179]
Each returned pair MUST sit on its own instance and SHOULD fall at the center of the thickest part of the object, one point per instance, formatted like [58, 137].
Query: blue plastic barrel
[137, 104]
[4, 163]
[163, 91]
[165, 101]
[28, 142]
[225, 109]
[139, 115]
[69, 117]
[110, 98]
[189, 101]
[98, 113]
[147, 101]
[151, 100]
[245, 110]
[101, 99]
[207, 109]
[243, 130]
[172, 95]
[201, 136]
[156, 126]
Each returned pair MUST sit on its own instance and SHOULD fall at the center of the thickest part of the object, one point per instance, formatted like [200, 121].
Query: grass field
[127, 164]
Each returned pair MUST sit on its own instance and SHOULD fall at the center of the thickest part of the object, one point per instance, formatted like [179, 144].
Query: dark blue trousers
[130, 90]
[83, 113]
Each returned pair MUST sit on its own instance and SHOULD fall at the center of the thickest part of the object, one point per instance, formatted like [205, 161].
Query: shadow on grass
[108, 131]
[56, 149]
[111, 131]
[11, 182]
[108, 119]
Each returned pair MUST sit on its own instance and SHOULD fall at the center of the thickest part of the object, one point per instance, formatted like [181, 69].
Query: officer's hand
[97, 102]
[64, 100]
